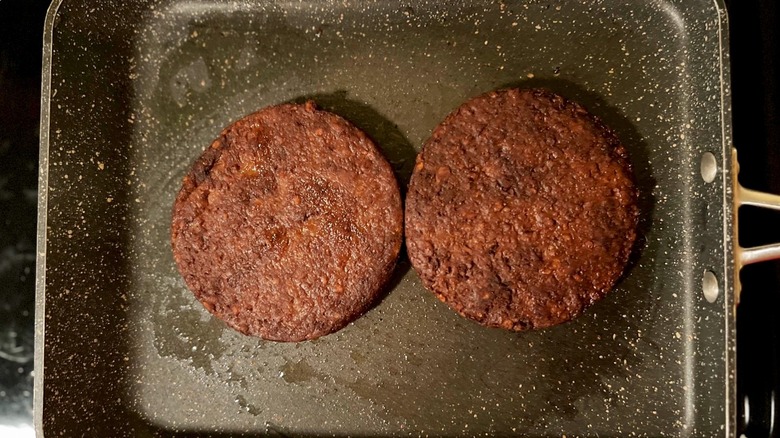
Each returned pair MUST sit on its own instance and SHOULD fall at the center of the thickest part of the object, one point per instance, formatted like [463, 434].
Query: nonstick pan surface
[134, 91]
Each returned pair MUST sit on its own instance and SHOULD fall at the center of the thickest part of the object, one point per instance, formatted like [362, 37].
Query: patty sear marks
[288, 226]
[522, 210]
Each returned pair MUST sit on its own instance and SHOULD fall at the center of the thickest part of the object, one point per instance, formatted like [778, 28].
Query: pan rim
[43, 183]
[728, 177]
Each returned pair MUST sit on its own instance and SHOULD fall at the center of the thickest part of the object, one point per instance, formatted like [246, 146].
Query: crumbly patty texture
[288, 226]
[522, 210]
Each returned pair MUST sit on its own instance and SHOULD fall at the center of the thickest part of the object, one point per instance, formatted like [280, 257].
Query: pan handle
[744, 196]
[762, 253]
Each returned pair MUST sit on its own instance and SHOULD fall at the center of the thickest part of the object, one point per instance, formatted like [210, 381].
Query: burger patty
[289, 224]
[522, 210]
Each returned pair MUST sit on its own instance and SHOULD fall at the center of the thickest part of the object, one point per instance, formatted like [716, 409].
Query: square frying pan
[133, 91]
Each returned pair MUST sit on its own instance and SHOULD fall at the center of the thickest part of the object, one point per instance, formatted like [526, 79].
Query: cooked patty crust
[289, 224]
[522, 209]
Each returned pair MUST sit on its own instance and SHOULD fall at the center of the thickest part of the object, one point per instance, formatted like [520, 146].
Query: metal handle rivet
[709, 286]
[709, 167]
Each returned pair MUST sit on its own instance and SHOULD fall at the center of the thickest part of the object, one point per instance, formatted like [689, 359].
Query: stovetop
[755, 42]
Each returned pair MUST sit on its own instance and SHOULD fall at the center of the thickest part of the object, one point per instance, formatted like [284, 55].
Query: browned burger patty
[289, 225]
[521, 211]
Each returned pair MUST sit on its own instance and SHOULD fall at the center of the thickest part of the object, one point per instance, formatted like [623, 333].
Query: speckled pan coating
[522, 209]
[289, 224]
[129, 102]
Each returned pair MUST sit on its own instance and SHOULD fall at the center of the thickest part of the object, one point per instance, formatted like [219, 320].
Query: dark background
[755, 54]
[21, 34]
